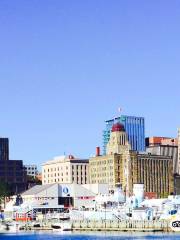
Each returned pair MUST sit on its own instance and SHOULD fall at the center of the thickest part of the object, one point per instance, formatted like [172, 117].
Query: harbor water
[89, 236]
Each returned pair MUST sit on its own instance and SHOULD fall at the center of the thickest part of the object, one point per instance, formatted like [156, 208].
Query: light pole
[105, 213]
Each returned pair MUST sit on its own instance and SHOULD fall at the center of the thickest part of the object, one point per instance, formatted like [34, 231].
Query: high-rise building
[122, 166]
[164, 146]
[4, 149]
[12, 172]
[66, 169]
[134, 127]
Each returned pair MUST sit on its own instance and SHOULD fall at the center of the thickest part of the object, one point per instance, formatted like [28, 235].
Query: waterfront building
[134, 127]
[56, 195]
[11, 171]
[177, 184]
[179, 148]
[122, 166]
[165, 147]
[66, 169]
[31, 170]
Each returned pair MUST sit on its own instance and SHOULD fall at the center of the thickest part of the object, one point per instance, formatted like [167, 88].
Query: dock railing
[125, 225]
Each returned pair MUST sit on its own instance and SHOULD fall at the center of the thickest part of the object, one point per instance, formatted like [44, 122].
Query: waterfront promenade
[127, 225]
[110, 225]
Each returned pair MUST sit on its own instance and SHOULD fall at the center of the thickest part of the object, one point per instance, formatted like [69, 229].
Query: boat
[64, 217]
[36, 224]
[61, 226]
[11, 227]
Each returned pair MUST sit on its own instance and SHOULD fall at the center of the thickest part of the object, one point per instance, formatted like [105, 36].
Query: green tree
[4, 192]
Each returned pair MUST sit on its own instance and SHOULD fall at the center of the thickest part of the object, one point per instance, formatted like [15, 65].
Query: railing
[125, 225]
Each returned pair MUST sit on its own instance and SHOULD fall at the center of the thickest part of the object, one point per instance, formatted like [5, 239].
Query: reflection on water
[89, 236]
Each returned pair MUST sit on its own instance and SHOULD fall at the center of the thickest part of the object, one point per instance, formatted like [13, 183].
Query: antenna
[119, 110]
[119, 114]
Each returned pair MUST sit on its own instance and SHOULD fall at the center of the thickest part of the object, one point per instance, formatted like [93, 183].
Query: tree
[4, 192]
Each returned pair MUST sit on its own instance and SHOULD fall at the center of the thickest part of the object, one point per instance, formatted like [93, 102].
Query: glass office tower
[4, 149]
[134, 127]
[11, 171]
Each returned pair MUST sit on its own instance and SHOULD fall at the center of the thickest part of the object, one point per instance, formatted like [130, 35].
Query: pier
[109, 225]
[126, 225]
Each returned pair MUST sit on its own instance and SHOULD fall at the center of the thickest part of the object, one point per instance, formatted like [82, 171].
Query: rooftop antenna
[119, 110]
[119, 114]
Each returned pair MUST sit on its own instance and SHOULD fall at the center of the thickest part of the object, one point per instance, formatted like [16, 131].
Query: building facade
[153, 141]
[155, 172]
[122, 166]
[134, 127]
[179, 149]
[31, 170]
[165, 147]
[11, 171]
[66, 169]
[4, 149]
[64, 195]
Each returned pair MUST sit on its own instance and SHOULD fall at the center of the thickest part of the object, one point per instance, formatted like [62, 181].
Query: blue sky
[66, 66]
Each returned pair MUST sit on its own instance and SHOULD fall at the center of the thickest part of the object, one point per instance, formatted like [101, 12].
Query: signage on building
[65, 190]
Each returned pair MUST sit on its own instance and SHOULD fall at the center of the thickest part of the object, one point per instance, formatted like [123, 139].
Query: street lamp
[105, 204]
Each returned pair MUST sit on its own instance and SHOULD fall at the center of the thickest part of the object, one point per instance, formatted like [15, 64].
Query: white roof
[59, 159]
[36, 189]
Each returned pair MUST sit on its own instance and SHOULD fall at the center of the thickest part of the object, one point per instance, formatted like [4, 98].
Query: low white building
[54, 198]
[68, 195]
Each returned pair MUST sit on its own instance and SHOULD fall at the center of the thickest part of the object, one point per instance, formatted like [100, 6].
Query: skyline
[68, 67]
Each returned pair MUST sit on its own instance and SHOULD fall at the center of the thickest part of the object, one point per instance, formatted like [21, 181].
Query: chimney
[97, 151]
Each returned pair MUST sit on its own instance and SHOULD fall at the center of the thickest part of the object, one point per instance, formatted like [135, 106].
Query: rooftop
[61, 159]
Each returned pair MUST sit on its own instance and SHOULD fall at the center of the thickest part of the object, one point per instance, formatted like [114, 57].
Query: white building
[31, 170]
[66, 169]
[54, 198]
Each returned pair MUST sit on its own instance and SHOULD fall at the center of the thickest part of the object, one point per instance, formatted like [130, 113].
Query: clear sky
[67, 65]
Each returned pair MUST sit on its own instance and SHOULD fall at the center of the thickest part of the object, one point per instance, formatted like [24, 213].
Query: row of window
[62, 168]
[67, 173]
[77, 179]
[103, 174]
[101, 162]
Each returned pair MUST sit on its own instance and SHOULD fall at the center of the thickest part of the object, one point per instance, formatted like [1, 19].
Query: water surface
[89, 236]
